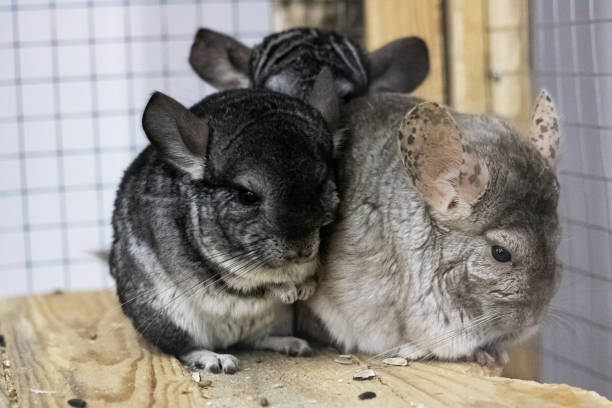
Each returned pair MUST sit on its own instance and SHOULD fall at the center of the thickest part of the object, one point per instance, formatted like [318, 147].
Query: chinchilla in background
[217, 222]
[289, 61]
[446, 234]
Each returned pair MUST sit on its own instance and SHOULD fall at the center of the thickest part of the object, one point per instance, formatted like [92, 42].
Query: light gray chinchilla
[446, 235]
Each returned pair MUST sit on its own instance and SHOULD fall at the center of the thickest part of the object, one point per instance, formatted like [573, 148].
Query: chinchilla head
[289, 61]
[492, 197]
[254, 169]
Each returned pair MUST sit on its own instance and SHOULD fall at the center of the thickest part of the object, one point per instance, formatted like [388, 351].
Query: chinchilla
[217, 222]
[289, 61]
[446, 234]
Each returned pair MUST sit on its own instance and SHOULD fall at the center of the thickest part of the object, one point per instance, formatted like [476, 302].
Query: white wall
[74, 78]
[573, 59]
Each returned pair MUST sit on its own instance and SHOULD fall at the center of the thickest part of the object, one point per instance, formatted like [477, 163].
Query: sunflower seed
[364, 375]
[396, 361]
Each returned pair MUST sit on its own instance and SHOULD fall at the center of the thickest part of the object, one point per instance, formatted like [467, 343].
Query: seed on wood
[396, 361]
[77, 403]
[6, 363]
[2, 343]
[364, 375]
[367, 395]
[264, 402]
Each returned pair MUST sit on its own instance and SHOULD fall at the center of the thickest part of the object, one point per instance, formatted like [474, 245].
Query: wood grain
[387, 20]
[64, 346]
[468, 60]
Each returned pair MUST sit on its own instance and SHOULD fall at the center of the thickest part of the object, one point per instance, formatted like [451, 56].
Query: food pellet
[77, 403]
[2, 343]
[264, 402]
[367, 395]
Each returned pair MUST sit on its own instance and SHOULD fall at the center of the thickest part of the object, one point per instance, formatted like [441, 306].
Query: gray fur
[402, 278]
[198, 268]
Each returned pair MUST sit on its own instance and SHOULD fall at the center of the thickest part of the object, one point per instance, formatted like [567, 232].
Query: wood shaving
[396, 361]
[205, 383]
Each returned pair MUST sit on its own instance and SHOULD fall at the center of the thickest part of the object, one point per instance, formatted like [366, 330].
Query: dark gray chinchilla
[290, 60]
[217, 223]
[446, 234]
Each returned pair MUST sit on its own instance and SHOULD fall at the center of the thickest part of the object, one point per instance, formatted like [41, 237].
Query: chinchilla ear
[324, 98]
[445, 170]
[400, 66]
[220, 60]
[544, 131]
[180, 136]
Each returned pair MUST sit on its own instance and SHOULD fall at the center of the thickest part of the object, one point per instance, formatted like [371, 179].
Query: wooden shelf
[58, 347]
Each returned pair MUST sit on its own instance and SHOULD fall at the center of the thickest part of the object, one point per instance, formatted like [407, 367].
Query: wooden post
[468, 60]
[387, 20]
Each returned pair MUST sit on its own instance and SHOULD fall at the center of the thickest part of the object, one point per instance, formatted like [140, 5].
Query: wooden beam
[60, 347]
[468, 56]
[387, 20]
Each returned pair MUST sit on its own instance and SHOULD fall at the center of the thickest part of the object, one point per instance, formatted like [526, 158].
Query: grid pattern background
[74, 78]
[572, 58]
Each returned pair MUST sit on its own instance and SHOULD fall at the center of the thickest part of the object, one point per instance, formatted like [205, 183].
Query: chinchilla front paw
[211, 361]
[306, 289]
[286, 292]
[291, 346]
[489, 357]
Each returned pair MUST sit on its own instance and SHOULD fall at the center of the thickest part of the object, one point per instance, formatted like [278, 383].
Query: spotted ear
[448, 174]
[544, 131]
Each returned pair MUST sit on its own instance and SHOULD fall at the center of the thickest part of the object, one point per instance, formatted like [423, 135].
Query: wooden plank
[468, 56]
[509, 60]
[80, 346]
[391, 19]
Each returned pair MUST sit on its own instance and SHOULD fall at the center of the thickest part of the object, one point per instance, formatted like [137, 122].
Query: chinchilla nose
[299, 255]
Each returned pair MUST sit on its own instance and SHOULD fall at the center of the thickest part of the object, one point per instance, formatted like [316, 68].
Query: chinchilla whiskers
[441, 339]
[150, 294]
[454, 334]
[243, 271]
[184, 295]
[154, 292]
[189, 293]
[559, 316]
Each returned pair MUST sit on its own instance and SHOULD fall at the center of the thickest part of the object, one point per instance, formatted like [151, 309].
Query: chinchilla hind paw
[291, 346]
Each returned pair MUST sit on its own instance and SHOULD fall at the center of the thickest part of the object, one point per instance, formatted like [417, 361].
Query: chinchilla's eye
[500, 254]
[247, 197]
